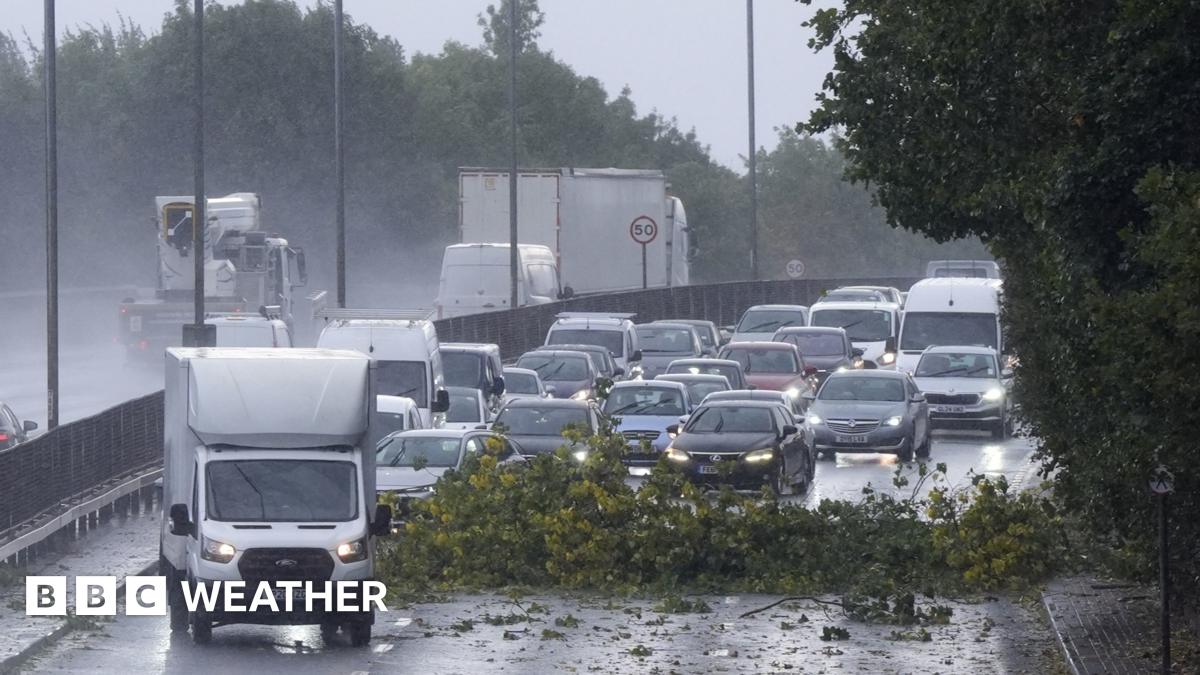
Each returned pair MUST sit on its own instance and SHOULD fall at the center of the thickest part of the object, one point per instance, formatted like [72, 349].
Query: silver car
[869, 411]
[966, 389]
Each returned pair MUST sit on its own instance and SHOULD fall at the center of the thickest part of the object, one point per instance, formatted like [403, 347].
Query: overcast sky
[684, 58]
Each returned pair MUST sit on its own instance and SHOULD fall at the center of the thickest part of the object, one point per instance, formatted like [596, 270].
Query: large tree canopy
[1064, 135]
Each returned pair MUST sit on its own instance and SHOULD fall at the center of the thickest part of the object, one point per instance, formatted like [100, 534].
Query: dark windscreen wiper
[769, 325]
[262, 503]
[943, 373]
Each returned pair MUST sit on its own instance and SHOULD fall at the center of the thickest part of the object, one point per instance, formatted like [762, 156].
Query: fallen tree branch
[793, 598]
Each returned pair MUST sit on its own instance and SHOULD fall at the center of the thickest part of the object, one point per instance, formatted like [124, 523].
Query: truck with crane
[246, 270]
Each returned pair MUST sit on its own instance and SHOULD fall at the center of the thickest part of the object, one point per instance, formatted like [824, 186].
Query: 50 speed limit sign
[643, 230]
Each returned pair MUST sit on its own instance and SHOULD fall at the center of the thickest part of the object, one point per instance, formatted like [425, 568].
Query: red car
[773, 365]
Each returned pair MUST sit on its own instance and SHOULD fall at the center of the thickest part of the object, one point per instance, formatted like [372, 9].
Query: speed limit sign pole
[643, 230]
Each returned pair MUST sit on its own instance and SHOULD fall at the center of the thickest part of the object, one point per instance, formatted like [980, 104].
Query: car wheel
[906, 450]
[781, 483]
[360, 633]
[201, 628]
[1000, 428]
[329, 630]
[925, 447]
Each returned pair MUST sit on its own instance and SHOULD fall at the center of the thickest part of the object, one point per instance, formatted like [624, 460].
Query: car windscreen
[728, 372]
[612, 340]
[644, 401]
[946, 364]
[924, 329]
[281, 490]
[402, 378]
[769, 320]
[430, 451]
[520, 383]
[541, 421]
[730, 419]
[760, 361]
[656, 340]
[462, 369]
[815, 344]
[463, 408]
[555, 368]
[862, 325]
[862, 389]
[698, 390]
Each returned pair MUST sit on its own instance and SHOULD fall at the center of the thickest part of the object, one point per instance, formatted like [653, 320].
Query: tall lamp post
[512, 174]
[753, 151]
[339, 155]
[198, 334]
[51, 85]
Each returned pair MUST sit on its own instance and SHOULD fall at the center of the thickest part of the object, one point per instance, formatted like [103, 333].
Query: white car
[759, 323]
[468, 409]
[966, 387]
[408, 463]
[523, 383]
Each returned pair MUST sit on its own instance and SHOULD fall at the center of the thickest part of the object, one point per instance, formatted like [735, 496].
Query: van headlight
[676, 455]
[894, 420]
[887, 359]
[992, 395]
[352, 551]
[760, 456]
[216, 551]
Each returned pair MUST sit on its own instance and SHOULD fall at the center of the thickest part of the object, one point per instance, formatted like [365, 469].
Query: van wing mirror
[301, 267]
[889, 345]
[566, 293]
[382, 525]
[636, 355]
[498, 386]
[181, 525]
[441, 401]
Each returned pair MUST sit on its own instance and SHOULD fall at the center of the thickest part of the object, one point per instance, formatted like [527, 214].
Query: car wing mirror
[181, 525]
[498, 386]
[441, 402]
[857, 352]
[789, 430]
[29, 425]
[1005, 374]
[918, 397]
[382, 525]
[809, 371]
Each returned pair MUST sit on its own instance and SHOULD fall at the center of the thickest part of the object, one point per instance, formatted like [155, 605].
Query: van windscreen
[295, 490]
[925, 329]
[402, 378]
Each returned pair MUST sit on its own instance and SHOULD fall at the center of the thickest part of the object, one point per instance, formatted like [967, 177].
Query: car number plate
[706, 468]
[280, 594]
[949, 408]
[859, 439]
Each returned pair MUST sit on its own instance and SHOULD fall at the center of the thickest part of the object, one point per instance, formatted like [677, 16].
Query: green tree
[497, 26]
[1063, 135]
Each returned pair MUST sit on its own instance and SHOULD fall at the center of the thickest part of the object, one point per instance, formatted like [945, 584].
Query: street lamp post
[753, 152]
[49, 46]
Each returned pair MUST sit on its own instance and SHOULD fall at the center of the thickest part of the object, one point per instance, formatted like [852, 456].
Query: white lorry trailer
[267, 480]
[598, 222]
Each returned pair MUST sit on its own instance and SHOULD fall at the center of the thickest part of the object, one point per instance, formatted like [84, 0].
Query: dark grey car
[537, 426]
[826, 348]
[12, 430]
[869, 411]
[663, 343]
[566, 374]
[710, 335]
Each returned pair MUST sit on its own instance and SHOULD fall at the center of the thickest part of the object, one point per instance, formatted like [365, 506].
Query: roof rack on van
[595, 315]
[333, 313]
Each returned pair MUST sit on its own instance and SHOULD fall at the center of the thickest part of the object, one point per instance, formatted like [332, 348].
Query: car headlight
[993, 394]
[352, 551]
[580, 455]
[676, 455]
[814, 418]
[793, 392]
[894, 420]
[581, 395]
[841, 369]
[887, 358]
[760, 456]
[216, 551]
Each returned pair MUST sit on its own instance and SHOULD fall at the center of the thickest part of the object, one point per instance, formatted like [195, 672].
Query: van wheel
[329, 630]
[177, 609]
[179, 614]
[360, 633]
[201, 628]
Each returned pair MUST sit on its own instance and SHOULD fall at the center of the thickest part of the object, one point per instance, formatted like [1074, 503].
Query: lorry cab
[872, 327]
[405, 346]
[950, 311]
[475, 365]
[476, 278]
[267, 479]
[614, 332]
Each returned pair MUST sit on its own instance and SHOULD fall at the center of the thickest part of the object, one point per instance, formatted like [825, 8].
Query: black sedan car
[537, 425]
[744, 444]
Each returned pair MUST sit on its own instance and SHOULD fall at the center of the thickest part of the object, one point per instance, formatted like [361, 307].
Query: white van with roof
[405, 345]
[476, 278]
[613, 331]
[949, 311]
[871, 326]
[971, 269]
[250, 330]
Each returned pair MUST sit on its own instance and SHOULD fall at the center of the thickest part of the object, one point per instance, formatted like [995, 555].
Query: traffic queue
[864, 369]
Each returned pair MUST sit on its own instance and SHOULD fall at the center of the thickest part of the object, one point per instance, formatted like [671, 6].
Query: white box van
[476, 278]
[405, 345]
[974, 269]
[266, 479]
[949, 311]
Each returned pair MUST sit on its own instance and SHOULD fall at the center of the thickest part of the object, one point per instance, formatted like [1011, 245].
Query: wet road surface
[994, 636]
